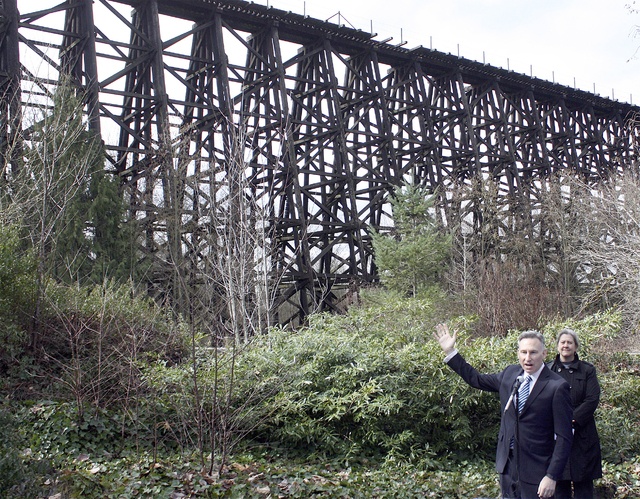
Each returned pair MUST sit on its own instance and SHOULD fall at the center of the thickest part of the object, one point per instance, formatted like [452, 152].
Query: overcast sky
[591, 42]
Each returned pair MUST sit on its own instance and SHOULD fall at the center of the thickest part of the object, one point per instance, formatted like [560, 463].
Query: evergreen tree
[412, 257]
[113, 253]
[72, 208]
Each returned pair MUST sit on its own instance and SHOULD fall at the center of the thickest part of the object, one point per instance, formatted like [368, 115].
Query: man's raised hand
[446, 340]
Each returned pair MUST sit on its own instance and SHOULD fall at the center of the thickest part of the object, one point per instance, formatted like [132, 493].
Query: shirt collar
[536, 375]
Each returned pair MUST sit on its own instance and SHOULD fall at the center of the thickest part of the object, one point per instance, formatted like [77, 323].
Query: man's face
[531, 354]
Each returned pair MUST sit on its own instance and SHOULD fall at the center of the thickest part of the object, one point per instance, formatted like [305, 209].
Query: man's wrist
[451, 355]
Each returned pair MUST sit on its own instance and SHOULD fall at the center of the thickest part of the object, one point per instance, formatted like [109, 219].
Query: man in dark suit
[535, 436]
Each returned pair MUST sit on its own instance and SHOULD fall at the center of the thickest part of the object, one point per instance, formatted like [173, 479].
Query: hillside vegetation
[359, 405]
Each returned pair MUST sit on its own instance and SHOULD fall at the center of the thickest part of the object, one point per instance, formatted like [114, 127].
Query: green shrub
[620, 480]
[56, 432]
[593, 330]
[17, 294]
[372, 381]
[366, 393]
[618, 415]
[11, 467]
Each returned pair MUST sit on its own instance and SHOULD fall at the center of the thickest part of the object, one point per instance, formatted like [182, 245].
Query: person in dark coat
[585, 462]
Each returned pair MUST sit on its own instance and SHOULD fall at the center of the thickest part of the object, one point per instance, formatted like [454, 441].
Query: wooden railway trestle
[325, 118]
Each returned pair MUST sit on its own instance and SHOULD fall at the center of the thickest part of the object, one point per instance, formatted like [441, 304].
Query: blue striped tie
[523, 392]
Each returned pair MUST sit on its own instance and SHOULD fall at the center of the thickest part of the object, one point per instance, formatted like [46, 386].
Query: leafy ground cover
[268, 476]
[252, 476]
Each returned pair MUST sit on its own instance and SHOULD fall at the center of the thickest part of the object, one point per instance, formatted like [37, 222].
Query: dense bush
[373, 382]
[17, 295]
[619, 412]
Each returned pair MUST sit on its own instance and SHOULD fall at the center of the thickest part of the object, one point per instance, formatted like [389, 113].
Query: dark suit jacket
[545, 433]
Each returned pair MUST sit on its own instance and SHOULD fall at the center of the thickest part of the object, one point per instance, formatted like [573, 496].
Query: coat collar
[557, 363]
